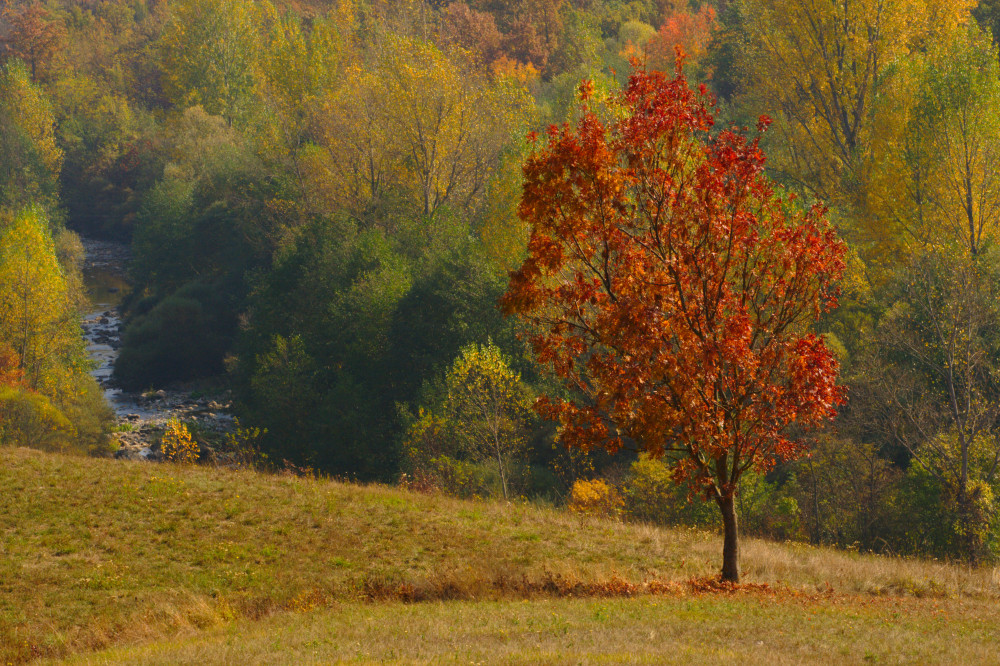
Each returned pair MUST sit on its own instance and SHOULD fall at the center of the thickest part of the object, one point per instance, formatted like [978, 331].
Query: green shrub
[430, 462]
[183, 336]
[242, 445]
[930, 521]
[651, 495]
[765, 508]
[768, 509]
[461, 478]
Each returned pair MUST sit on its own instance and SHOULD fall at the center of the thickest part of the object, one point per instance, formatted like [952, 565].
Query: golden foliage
[177, 445]
[210, 54]
[595, 498]
[524, 74]
[936, 183]
[820, 66]
[25, 108]
[503, 234]
[30, 419]
[37, 319]
[418, 120]
[480, 426]
[487, 405]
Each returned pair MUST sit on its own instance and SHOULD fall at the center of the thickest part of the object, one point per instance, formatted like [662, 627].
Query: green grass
[99, 554]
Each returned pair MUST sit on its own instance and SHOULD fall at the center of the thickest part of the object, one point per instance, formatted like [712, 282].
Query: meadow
[113, 561]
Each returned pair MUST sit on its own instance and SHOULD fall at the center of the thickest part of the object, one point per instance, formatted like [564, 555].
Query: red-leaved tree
[673, 288]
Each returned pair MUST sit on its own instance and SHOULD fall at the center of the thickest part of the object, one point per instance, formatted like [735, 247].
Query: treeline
[322, 198]
[897, 132]
[47, 399]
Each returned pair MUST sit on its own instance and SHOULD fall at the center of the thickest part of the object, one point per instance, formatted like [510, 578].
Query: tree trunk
[503, 478]
[970, 527]
[731, 545]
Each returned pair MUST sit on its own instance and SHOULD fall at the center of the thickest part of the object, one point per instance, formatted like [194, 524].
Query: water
[105, 284]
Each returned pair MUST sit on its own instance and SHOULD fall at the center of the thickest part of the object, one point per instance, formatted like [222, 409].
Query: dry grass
[100, 553]
[713, 629]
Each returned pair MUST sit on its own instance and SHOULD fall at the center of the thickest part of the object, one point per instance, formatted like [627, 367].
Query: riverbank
[140, 417]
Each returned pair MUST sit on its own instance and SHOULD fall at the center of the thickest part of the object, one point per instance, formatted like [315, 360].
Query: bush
[930, 520]
[595, 498]
[458, 478]
[242, 446]
[430, 462]
[177, 445]
[765, 508]
[30, 419]
[183, 336]
[651, 495]
[90, 415]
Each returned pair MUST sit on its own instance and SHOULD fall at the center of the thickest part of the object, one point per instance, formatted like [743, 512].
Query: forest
[327, 201]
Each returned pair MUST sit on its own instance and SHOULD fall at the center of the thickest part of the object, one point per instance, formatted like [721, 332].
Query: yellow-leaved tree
[821, 66]
[210, 52]
[30, 158]
[934, 365]
[418, 121]
[37, 318]
[54, 402]
[952, 147]
[479, 421]
[487, 406]
[299, 70]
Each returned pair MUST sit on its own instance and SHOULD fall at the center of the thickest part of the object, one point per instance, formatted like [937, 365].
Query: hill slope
[101, 553]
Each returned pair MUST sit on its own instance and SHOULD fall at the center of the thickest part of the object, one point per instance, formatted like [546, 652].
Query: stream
[140, 416]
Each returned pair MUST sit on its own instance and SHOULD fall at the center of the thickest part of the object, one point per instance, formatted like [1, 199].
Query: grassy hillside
[104, 554]
[741, 629]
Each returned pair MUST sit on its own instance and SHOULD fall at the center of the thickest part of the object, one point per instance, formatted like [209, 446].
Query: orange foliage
[523, 74]
[37, 36]
[470, 29]
[689, 31]
[11, 373]
[672, 287]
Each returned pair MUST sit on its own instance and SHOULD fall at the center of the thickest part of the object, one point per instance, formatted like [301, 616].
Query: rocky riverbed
[140, 417]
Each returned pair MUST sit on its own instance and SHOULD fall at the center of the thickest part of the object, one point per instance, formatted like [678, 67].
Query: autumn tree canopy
[672, 288]
[821, 66]
[486, 406]
[209, 52]
[30, 157]
[37, 36]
